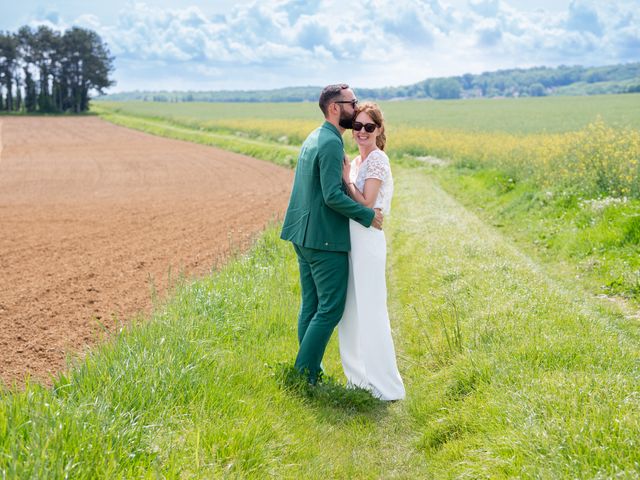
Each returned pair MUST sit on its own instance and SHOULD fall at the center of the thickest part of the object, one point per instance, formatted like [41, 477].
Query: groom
[317, 223]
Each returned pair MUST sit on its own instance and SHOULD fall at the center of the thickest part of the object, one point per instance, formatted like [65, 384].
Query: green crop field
[525, 115]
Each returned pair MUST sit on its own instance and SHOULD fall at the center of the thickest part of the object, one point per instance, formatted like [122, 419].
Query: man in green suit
[317, 223]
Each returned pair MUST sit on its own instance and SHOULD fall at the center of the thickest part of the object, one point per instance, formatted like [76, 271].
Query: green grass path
[508, 372]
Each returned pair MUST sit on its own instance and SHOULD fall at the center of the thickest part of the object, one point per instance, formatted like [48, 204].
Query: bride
[366, 347]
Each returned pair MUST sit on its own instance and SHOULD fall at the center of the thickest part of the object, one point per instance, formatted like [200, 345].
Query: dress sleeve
[378, 165]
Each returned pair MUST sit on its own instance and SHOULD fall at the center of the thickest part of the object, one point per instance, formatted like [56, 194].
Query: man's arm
[330, 157]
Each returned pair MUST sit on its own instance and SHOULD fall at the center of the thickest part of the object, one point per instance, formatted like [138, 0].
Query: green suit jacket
[319, 208]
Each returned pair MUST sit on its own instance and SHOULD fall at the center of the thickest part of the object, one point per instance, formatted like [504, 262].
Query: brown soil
[93, 216]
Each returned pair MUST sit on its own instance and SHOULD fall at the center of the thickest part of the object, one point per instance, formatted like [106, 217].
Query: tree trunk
[84, 99]
[18, 105]
[9, 100]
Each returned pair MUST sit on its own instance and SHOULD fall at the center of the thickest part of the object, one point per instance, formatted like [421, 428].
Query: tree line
[530, 82]
[43, 70]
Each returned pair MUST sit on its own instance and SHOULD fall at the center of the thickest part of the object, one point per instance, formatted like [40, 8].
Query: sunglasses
[368, 127]
[353, 102]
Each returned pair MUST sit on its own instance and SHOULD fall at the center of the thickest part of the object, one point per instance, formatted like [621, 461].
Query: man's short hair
[330, 93]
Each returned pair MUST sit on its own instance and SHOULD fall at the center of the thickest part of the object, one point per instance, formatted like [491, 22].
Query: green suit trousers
[323, 279]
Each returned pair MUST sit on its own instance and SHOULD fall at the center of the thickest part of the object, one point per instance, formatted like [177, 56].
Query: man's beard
[345, 122]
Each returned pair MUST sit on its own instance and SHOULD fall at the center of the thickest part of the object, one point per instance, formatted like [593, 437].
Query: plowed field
[94, 216]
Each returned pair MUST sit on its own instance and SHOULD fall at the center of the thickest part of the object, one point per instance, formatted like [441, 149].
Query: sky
[265, 44]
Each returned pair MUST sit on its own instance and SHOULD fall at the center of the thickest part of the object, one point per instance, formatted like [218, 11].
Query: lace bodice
[376, 165]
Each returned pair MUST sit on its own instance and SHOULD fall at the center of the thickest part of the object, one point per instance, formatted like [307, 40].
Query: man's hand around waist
[377, 219]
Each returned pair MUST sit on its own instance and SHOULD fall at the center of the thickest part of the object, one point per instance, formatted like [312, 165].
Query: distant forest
[51, 72]
[531, 82]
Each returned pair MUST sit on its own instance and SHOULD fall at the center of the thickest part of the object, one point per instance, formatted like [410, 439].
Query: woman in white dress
[366, 347]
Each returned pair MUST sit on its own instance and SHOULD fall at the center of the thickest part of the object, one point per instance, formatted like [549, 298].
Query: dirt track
[91, 215]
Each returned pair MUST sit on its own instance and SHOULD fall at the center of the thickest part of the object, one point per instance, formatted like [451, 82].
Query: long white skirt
[366, 347]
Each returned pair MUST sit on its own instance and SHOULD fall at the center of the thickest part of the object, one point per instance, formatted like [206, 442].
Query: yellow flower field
[596, 161]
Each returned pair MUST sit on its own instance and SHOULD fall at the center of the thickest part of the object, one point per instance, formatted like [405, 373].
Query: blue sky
[223, 44]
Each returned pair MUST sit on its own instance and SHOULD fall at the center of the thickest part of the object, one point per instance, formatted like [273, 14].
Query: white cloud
[583, 17]
[486, 8]
[410, 24]
[626, 42]
[489, 33]
[311, 33]
[273, 43]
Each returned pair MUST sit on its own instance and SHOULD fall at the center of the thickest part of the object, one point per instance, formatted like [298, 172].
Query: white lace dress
[364, 332]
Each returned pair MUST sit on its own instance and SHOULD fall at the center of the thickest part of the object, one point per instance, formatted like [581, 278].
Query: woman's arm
[370, 193]
[377, 169]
